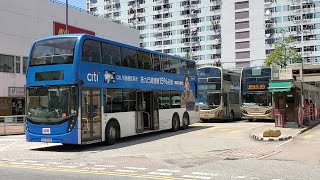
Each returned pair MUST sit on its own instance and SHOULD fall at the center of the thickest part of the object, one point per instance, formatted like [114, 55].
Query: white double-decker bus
[219, 93]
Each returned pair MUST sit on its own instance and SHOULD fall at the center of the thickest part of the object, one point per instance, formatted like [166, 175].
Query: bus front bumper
[257, 116]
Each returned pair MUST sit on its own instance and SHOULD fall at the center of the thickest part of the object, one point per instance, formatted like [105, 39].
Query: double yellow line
[88, 171]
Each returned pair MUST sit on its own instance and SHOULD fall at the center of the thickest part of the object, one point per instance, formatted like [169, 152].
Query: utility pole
[67, 17]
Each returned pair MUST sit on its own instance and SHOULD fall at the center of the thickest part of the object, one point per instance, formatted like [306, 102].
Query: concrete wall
[22, 22]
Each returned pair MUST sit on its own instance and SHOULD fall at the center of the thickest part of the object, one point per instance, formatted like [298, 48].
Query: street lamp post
[67, 17]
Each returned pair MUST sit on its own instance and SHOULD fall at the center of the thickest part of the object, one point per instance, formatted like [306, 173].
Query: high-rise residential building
[236, 33]
[298, 18]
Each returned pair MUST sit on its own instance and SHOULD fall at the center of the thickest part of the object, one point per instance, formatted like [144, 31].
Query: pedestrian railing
[307, 116]
[10, 125]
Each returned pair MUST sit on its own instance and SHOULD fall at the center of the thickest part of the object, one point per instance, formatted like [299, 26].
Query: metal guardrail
[10, 125]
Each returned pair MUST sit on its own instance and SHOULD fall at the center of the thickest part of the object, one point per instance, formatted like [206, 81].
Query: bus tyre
[111, 133]
[250, 120]
[175, 123]
[185, 121]
[232, 116]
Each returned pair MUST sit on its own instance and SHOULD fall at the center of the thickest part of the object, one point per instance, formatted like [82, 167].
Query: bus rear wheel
[185, 121]
[111, 133]
[175, 123]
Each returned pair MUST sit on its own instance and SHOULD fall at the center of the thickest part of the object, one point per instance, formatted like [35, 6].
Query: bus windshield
[209, 100]
[53, 51]
[257, 99]
[51, 104]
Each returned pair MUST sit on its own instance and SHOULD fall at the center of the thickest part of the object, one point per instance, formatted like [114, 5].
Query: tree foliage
[283, 53]
[188, 56]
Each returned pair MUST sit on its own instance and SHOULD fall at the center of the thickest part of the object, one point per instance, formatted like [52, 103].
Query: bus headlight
[71, 123]
[26, 126]
[268, 111]
[244, 111]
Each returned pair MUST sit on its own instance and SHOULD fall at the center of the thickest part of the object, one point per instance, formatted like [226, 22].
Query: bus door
[90, 115]
[147, 114]
[225, 105]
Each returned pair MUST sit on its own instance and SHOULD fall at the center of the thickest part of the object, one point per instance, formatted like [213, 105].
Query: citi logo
[93, 76]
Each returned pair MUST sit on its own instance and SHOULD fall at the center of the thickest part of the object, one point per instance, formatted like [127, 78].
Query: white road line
[55, 163]
[67, 167]
[10, 145]
[105, 166]
[29, 161]
[19, 163]
[2, 144]
[234, 132]
[135, 168]
[239, 177]
[124, 170]
[221, 130]
[99, 169]
[168, 170]
[283, 143]
[10, 160]
[196, 177]
[11, 139]
[204, 174]
[37, 164]
[159, 173]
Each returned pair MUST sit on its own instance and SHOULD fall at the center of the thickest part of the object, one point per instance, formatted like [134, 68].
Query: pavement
[286, 133]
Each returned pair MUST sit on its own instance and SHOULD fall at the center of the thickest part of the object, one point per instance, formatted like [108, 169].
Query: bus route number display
[256, 87]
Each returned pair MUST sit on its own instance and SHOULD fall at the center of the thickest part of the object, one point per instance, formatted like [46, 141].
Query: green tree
[187, 56]
[283, 52]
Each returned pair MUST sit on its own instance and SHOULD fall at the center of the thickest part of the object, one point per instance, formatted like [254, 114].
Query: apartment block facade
[236, 33]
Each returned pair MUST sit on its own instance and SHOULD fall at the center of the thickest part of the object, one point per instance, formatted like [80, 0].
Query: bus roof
[87, 36]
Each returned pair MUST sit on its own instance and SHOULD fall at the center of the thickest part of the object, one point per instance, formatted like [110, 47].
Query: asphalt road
[204, 151]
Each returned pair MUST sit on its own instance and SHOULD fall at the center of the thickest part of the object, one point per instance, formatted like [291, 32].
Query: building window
[242, 35]
[18, 64]
[242, 45]
[242, 25]
[243, 55]
[242, 15]
[241, 5]
[6, 63]
[24, 62]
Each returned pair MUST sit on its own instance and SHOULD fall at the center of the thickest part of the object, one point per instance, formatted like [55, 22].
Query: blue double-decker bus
[83, 89]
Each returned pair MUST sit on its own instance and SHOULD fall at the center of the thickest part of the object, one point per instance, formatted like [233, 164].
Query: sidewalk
[286, 133]
[11, 128]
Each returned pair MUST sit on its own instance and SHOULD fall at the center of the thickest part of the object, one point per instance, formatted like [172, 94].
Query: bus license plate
[47, 140]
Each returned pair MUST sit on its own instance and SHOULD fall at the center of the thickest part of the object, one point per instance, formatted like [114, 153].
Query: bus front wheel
[111, 133]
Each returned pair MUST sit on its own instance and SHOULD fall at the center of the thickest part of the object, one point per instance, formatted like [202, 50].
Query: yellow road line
[308, 136]
[88, 171]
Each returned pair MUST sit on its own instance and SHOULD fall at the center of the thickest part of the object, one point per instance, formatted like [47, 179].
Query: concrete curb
[270, 138]
[310, 127]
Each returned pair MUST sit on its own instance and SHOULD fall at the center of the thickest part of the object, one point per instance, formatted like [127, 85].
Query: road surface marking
[124, 170]
[2, 144]
[221, 130]
[135, 168]
[308, 136]
[196, 177]
[204, 174]
[5, 147]
[168, 170]
[55, 163]
[29, 161]
[99, 169]
[159, 173]
[283, 143]
[239, 177]
[105, 166]
[19, 163]
[38, 165]
[67, 166]
[234, 132]
[84, 171]
[11, 139]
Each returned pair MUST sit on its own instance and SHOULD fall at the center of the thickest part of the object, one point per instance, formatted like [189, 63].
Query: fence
[10, 125]
[307, 116]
